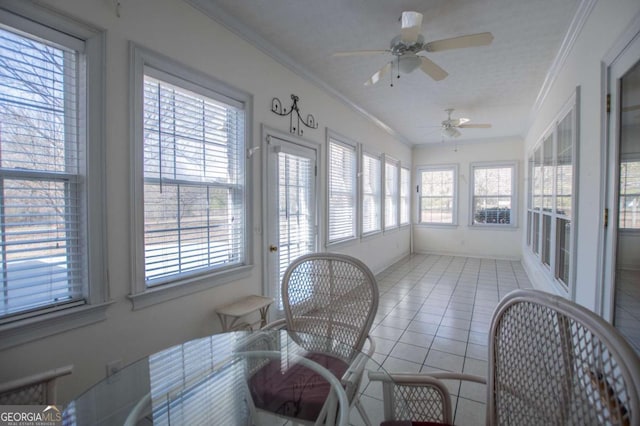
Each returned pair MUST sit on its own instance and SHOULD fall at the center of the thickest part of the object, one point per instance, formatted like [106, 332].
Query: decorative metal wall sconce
[294, 127]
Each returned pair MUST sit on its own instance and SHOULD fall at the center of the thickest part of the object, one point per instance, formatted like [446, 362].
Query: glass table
[234, 378]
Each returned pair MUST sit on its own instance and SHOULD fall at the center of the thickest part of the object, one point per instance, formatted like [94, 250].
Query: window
[550, 202]
[342, 190]
[51, 174]
[391, 184]
[371, 193]
[405, 199]
[493, 197]
[192, 173]
[438, 186]
[629, 195]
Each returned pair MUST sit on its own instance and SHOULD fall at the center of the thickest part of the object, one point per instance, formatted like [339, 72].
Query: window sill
[167, 292]
[370, 235]
[39, 327]
[489, 227]
[437, 225]
[342, 243]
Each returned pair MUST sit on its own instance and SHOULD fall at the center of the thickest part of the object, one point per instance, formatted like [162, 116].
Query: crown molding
[243, 31]
[577, 23]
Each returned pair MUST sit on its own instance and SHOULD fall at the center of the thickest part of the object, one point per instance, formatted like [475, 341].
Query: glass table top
[229, 379]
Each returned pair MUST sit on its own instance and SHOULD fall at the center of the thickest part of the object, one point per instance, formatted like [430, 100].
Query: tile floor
[434, 314]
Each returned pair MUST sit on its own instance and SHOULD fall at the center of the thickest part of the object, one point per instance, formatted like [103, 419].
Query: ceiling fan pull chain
[391, 74]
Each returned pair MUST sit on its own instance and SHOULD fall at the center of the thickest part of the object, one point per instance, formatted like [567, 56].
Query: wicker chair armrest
[275, 325]
[445, 375]
[47, 381]
[391, 381]
[372, 346]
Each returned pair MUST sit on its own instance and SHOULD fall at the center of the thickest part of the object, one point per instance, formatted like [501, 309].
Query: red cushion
[296, 391]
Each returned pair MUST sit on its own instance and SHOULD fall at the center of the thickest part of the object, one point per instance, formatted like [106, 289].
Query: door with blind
[291, 225]
[622, 235]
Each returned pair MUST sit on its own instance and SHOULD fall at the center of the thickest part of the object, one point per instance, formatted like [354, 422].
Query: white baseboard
[473, 255]
[391, 262]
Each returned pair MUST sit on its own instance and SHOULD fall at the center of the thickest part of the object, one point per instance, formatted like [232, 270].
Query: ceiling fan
[406, 46]
[450, 126]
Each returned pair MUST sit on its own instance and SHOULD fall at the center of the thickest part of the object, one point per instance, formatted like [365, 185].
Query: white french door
[621, 303]
[291, 219]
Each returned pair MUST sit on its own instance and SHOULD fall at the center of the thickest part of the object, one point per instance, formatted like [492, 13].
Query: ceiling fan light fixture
[451, 132]
[409, 63]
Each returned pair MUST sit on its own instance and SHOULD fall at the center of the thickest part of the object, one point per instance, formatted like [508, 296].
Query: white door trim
[265, 133]
[607, 238]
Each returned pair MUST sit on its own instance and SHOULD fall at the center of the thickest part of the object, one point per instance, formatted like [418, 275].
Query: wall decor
[294, 126]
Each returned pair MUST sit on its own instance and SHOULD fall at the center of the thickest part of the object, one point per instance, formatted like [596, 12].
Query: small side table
[232, 312]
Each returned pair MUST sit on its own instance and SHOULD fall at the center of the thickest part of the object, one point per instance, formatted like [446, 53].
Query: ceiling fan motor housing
[400, 48]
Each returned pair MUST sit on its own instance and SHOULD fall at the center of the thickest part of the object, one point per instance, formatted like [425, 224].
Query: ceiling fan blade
[457, 122]
[471, 40]
[360, 52]
[378, 75]
[475, 126]
[411, 26]
[432, 69]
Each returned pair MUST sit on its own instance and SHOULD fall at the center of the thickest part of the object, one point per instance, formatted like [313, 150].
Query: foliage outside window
[437, 195]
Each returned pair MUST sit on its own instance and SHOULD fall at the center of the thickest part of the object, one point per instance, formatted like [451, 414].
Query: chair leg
[363, 413]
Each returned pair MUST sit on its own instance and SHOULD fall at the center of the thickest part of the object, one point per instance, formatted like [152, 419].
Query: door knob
[273, 248]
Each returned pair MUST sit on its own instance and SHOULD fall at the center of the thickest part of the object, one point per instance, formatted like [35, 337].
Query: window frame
[206, 85]
[535, 231]
[395, 195]
[514, 193]
[454, 211]
[379, 158]
[626, 158]
[333, 137]
[49, 25]
[405, 201]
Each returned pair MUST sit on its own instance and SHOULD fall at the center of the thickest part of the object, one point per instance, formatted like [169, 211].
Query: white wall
[466, 240]
[583, 68]
[173, 28]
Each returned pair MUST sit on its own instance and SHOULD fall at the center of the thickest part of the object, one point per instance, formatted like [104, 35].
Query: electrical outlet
[113, 367]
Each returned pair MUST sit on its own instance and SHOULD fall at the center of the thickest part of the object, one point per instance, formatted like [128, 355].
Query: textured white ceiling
[495, 84]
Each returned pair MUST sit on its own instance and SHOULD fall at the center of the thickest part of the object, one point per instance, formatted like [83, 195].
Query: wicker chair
[39, 389]
[325, 295]
[551, 362]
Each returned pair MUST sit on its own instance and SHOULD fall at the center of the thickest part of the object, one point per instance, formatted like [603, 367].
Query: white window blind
[43, 239]
[493, 194]
[194, 213]
[296, 176]
[405, 198]
[629, 195]
[342, 191]
[551, 197]
[391, 193]
[371, 193]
